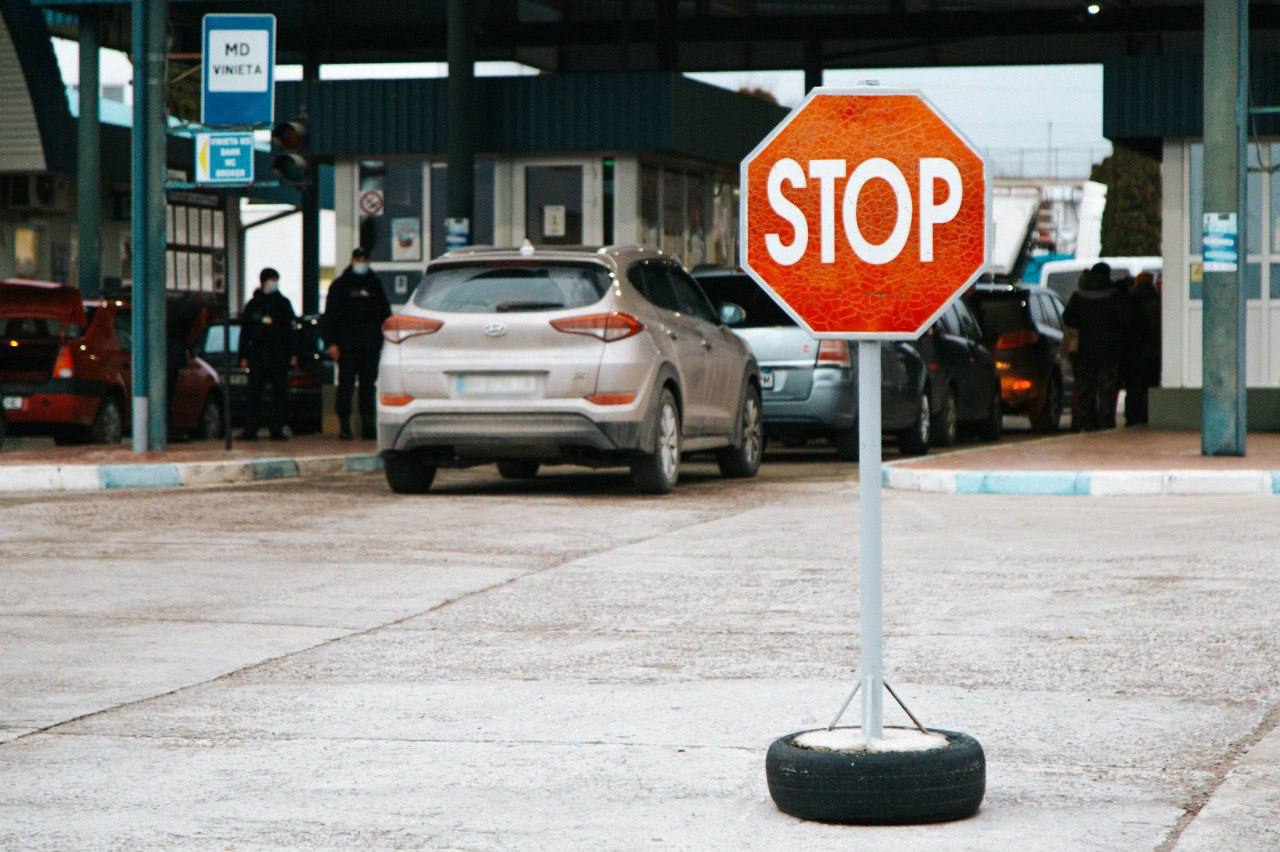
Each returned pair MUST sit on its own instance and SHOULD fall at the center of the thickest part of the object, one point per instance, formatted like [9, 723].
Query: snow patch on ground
[850, 739]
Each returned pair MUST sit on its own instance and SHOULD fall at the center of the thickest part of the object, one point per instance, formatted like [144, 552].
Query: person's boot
[344, 429]
[368, 431]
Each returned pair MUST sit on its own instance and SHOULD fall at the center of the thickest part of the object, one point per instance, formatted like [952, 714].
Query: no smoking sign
[371, 203]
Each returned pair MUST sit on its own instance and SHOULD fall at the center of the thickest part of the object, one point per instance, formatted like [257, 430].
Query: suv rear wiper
[506, 307]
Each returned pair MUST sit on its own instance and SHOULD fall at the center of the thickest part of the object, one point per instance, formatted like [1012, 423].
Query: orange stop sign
[864, 213]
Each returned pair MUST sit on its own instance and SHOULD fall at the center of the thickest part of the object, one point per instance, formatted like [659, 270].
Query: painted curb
[1084, 483]
[115, 477]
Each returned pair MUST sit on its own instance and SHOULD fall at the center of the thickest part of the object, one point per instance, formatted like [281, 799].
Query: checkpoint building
[613, 144]
[560, 160]
[1155, 104]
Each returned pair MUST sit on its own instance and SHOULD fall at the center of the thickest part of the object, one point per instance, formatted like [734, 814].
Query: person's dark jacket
[266, 328]
[354, 311]
[1103, 316]
[1146, 299]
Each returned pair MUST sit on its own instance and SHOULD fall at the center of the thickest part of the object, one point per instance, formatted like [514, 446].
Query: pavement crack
[1219, 774]
[502, 741]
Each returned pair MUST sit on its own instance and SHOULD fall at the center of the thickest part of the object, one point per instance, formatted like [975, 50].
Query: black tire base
[878, 788]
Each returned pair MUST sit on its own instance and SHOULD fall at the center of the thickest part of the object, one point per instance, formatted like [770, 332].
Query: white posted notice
[239, 60]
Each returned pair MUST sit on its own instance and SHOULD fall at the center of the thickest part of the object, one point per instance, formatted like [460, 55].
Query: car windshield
[36, 329]
[999, 314]
[1063, 283]
[214, 337]
[515, 287]
[761, 310]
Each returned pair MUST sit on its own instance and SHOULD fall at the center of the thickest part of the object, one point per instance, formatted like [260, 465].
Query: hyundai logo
[495, 329]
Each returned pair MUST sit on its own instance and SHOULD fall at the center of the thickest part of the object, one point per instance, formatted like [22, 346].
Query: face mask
[270, 286]
[360, 268]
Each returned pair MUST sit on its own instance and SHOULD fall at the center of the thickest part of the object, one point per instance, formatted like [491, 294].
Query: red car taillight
[1017, 339]
[608, 327]
[399, 328]
[64, 366]
[833, 353]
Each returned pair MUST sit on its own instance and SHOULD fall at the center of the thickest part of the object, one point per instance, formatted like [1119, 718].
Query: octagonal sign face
[864, 213]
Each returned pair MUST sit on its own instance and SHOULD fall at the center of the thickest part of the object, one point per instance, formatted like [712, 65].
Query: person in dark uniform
[1143, 357]
[352, 329]
[1103, 316]
[267, 350]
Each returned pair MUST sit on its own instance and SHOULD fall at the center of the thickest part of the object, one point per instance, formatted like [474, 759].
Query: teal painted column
[310, 201]
[89, 163]
[1226, 106]
[150, 26]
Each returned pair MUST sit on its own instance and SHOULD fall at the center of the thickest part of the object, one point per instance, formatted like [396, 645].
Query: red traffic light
[290, 135]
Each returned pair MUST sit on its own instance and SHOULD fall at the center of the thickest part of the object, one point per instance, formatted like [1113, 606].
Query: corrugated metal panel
[21, 149]
[1163, 96]
[651, 112]
[723, 126]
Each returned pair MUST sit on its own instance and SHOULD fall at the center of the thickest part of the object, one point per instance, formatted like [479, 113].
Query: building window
[389, 209]
[673, 212]
[650, 209]
[1263, 189]
[689, 214]
[196, 255]
[482, 221]
[553, 205]
[26, 251]
[696, 218]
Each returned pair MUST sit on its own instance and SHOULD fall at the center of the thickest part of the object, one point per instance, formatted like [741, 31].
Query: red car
[65, 367]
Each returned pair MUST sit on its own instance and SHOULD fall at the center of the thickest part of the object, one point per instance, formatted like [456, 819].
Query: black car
[313, 371]
[1023, 326]
[964, 387]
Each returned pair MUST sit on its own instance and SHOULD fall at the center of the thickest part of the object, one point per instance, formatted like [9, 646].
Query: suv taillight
[64, 366]
[833, 353]
[399, 328]
[608, 327]
[1017, 339]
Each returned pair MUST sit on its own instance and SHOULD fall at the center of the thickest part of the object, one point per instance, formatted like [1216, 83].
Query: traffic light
[291, 164]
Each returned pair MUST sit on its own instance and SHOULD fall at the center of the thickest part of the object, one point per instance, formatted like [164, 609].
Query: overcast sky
[996, 106]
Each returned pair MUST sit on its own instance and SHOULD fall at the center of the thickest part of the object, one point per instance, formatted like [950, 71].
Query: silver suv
[599, 357]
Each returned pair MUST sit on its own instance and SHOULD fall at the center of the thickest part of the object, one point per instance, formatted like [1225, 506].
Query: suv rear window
[36, 328]
[213, 338]
[999, 314]
[515, 287]
[761, 310]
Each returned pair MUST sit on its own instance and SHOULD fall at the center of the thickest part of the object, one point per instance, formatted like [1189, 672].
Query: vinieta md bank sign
[238, 81]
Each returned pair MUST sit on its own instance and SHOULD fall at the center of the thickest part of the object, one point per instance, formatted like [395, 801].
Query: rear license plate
[497, 385]
[13, 403]
[239, 379]
[766, 381]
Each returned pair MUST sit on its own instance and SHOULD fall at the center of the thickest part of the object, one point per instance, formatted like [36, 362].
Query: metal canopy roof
[647, 111]
[711, 35]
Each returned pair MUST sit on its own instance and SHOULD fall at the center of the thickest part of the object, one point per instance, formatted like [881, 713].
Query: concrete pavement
[560, 664]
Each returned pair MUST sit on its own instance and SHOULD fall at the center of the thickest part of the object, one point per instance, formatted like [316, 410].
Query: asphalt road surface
[562, 664]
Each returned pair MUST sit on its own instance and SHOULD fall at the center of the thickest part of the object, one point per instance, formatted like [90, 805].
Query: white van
[1062, 276]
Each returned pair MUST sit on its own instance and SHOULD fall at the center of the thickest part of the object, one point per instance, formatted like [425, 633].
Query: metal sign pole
[869, 627]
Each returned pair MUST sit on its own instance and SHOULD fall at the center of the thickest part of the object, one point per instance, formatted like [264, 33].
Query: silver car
[599, 357]
[811, 386]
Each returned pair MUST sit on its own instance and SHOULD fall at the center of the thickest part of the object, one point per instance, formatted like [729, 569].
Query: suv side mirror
[731, 314]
